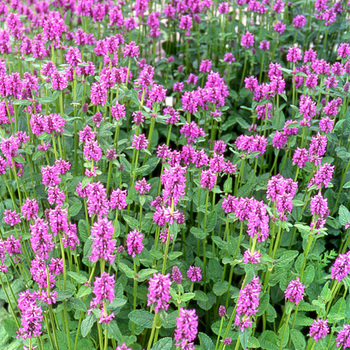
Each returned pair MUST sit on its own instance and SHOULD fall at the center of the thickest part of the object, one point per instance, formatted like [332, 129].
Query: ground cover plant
[175, 175]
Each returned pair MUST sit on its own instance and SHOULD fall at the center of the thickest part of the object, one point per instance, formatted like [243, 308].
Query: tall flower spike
[159, 291]
[186, 329]
[295, 291]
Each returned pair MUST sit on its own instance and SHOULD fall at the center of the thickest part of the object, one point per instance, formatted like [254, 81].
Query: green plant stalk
[135, 286]
[9, 302]
[128, 73]
[220, 329]
[133, 177]
[228, 327]
[244, 69]
[299, 218]
[261, 66]
[205, 241]
[284, 331]
[9, 189]
[150, 135]
[167, 242]
[150, 341]
[100, 337]
[306, 252]
[277, 241]
[341, 187]
[332, 332]
[16, 178]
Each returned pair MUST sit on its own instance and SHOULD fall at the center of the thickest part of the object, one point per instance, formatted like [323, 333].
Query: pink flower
[134, 242]
[159, 291]
[295, 291]
[247, 40]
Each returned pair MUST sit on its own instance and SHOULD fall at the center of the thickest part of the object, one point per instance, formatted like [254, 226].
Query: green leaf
[287, 257]
[253, 343]
[87, 324]
[271, 313]
[205, 341]
[114, 331]
[207, 305]
[142, 318]
[344, 215]
[132, 222]
[19, 159]
[335, 317]
[21, 103]
[10, 327]
[187, 296]
[303, 320]
[309, 275]
[201, 296]
[220, 288]
[292, 125]
[83, 231]
[116, 303]
[175, 255]
[127, 270]
[228, 185]
[36, 155]
[84, 290]
[75, 209]
[219, 242]
[268, 341]
[163, 344]
[263, 304]
[76, 304]
[145, 273]
[198, 232]
[63, 295]
[298, 339]
[80, 277]
[347, 185]
[45, 100]
[211, 221]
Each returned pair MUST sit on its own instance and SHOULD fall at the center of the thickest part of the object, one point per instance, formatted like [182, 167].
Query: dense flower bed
[175, 174]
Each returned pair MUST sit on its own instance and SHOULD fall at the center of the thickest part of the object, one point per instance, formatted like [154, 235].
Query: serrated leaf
[211, 221]
[75, 209]
[175, 255]
[132, 222]
[201, 296]
[19, 159]
[45, 100]
[63, 295]
[287, 257]
[163, 344]
[87, 324]
[187, 296]
[21, 103]
[84, 290]
[78, 276]
[83, 231]
[198, 232]
[205, 341]
[220, 288]
[142, 318]
[116, 303]
[127, 270]
[344, 215]
[144, 274]
[268, 340]
[10, 327]
[76, 304]
[298, 339]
